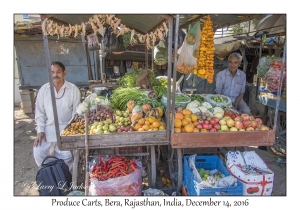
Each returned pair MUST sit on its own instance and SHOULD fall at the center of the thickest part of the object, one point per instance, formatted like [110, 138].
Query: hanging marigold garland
[205, 60]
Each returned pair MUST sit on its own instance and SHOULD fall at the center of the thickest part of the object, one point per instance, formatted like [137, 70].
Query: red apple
[253, 124]
[247, 123]
[238, 118]
[251, 117]
[213, 130]
[213, 122]
[216, 119]
[249, 129]
[206, 126]
[245, 116]
[238, 124]
[200, 121]
[206, 122]
[199, 126]
[217, 126]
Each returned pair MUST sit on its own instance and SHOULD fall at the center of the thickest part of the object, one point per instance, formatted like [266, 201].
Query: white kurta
[66, 104]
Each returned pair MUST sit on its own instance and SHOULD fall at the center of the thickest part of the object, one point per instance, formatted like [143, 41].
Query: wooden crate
[223, 139]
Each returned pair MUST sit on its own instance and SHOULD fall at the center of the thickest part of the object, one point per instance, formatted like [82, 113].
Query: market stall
[186, 135]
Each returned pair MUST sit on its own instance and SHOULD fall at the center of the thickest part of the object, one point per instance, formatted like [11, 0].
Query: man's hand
[39, 138]
[234, 105]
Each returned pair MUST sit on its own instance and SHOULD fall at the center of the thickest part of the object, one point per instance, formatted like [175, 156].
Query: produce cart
[86, 142]
[180, 140]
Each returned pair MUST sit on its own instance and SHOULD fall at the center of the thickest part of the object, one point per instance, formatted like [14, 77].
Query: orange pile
[205, 60]
[149, 124]
[185, 122]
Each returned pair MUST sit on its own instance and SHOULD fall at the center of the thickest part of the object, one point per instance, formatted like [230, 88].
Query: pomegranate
[199, 126]
[213, 130]
[217, 126]
[213, 122]
[247, 123]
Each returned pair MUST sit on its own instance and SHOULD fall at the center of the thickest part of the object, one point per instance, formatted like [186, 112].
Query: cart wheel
[153, 167]
[180, 170]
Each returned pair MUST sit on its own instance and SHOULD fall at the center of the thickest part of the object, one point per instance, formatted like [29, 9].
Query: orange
[186, 112]
[177, 130]
[196, 130]
[152, 119]
[162, 127]
[155, 129]
[142, 121]
[137, 126]
[177, 123]
[179, 116]
[151, 126]
[194, 117]
[189, 127]
[184, 122]
[156, 124]
[146, 127]
[141, 129]
[195, 123]
[188, 118]
[147, 122]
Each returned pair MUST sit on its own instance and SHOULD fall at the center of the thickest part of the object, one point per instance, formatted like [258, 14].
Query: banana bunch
[153, 112]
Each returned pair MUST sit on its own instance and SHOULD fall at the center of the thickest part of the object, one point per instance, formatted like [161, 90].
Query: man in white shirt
[67, 97]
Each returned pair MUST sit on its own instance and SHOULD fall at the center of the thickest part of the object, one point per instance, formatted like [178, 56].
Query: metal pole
[87, 57]
[174, 64]
[48, 64]
[257, 80]
[169, 75]
[86, 152]
[280, 85]
[146, 57]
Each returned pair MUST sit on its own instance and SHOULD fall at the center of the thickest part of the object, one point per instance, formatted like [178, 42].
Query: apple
[217, 126]
[224, 128]
[253, 124]
[245, 116]
[249, 129]
[230, 122]
[238, 124]
[199, 126]
[251, 117]
[213, 122]
[222, 122]
[247, 123]
[206, 122]
[213, 130]
[200, 121]
[216, 119]
[242, 129]
[258, 120]
[233, 129]
[238, 118]
[226, 118]
[206, 126]
[264, 128]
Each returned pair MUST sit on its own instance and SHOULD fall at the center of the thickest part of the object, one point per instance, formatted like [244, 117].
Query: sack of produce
[181, 100]
[187, 60]
[160, 54]
[115, 176]
[143, 80]
[264, 65]
[218, 100]
[273, 79]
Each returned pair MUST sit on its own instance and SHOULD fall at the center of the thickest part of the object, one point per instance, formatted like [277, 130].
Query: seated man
[231, 82]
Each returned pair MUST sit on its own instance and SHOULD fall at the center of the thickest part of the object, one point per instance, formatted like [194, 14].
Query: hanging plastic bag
[273, 79]
[160, 54]
[196, 27]
[186, 61]
[93, 43]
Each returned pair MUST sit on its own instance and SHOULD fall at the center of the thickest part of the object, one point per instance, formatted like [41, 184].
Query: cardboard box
[26, 104]
[256, 181]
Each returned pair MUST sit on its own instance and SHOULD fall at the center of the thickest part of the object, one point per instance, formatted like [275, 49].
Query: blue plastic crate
[208, 163]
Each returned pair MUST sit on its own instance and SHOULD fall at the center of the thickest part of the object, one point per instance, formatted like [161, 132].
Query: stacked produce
[273, 76]
[206, 173]
[264, 65]
[205, 60]
[204, 117]
[74, 129]
[100, 113]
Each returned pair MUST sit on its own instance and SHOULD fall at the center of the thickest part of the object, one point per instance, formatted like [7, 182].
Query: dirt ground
[25, 168]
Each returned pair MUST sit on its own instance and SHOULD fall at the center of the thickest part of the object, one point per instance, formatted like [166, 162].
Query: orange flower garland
[205, 60]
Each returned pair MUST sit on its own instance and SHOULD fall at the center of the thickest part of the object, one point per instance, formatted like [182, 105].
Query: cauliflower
[194, 109]
[218, 109]
[207, 105]
[202, 109]
[193, 104]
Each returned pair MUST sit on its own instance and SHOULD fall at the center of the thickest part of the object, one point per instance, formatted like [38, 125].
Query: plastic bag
[160, 54]
[153, 192]
[129, 185]
[93, 43]
[187, 62]
[193, 168]
[273, 79]
[196, 28]
[219, 104]
[137, 108]
[264, 65]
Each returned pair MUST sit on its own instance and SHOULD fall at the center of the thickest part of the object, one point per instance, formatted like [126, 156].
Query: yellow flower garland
[205, 60]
